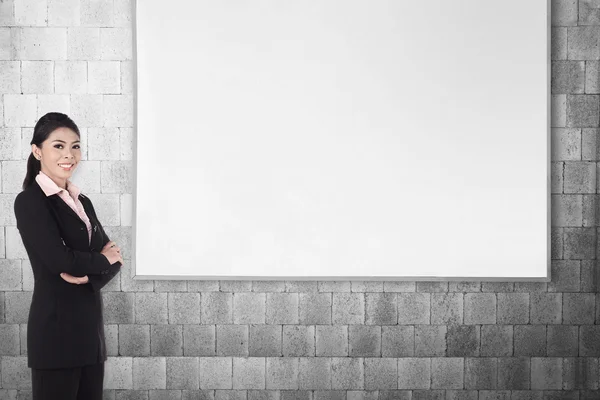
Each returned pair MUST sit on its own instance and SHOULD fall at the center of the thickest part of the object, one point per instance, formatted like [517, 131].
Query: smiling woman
[72, 258]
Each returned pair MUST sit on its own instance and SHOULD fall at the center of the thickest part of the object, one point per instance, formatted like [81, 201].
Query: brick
[183, 373]
[580, 373]
[381, 309]
[184, 308]
[249, 308]
[15, 373]
[348, 308]
[17, 305]
[149, 373]
[9, 340]
[216, 372]
[282, 308]
[333, 286]
[116, 43]
[583, 43]
[496, 340]
[282, 373]
[592, 77]
[447, 373]
[564, 13]
[514, 373]
[10, 275]
[447, 308]
[134, 340]
[589, 345]
[558, 41]
[347, 373]
[64, 13]
[397, 341]
[235, 286]
[464, 287]
[565, 276]
[546, 373]
[497, 287]
[298, 340]
[31, 12]
[118, 373]
[562, 341]
[37, 77]
[232, 340]
[166, 340]
[432, 286]
[578, 308]
[480, 373]
[566, 209]
[367, 286]
[199, 340]
[151, 308]
[87, 110]
[216, 308]
[111, 336]
[314, 373]
[83, 43]
[20, 110]
[414, 373]
[10, 77]
[529, 340]
[315, 308]
[265, 341]
[414, 308]
[399, 286]
[41, 43]
[430, 340]
[546, 308]
[513, 308]
[583, 111]
[249, 373]
[381, 373]
[568, 77]
[480, 308]
[331, 341]
[463, 340]
[257, 286]
[118, 111]
[97, 13]
[364, 340]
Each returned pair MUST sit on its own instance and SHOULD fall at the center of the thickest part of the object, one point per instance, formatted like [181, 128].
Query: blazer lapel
[61, 203]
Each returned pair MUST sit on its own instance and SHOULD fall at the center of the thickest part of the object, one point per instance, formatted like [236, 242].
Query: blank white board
[338, 139]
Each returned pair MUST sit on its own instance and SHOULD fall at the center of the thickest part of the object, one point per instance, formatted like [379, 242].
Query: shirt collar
[50, 187]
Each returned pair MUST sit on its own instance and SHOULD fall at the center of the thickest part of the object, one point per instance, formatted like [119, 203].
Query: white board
[338, 139]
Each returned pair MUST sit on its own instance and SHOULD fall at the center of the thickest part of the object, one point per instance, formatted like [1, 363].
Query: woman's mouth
[66, 167]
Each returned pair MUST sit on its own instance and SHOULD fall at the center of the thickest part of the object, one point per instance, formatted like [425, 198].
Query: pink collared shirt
[70, 196]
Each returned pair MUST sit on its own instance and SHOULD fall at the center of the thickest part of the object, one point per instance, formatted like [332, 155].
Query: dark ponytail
[43, 128]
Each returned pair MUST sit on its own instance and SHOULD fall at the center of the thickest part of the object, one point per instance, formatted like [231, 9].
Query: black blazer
[65, 327]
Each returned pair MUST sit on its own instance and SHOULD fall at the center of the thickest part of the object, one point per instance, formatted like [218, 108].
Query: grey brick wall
[264, 340]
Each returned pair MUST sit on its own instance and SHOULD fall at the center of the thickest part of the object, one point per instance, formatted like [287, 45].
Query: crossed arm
[41, 237]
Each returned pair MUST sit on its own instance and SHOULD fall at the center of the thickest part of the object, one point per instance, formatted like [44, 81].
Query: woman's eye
[76, 146]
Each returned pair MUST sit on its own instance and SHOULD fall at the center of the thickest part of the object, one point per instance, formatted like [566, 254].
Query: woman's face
[61, 147]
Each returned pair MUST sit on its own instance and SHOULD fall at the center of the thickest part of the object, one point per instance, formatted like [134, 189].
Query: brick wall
[294, 340]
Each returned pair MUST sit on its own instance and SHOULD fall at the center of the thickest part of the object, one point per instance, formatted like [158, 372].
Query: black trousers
[81, 383]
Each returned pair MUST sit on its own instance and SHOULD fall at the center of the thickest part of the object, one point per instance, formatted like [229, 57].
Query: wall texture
[298, 340]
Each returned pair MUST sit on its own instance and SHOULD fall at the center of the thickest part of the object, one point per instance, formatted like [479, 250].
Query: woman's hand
[112, 252]
[73, 279]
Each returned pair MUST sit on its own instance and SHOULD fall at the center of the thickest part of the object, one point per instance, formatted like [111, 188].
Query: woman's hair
[43, 128]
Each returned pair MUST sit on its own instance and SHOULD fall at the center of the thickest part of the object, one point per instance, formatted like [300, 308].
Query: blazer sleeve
[97, 282]
[41, 238]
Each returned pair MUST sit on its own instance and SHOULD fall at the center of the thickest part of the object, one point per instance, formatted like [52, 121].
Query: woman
[72, 259]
